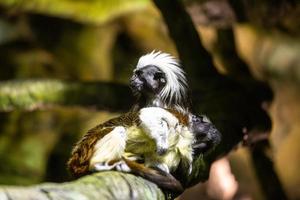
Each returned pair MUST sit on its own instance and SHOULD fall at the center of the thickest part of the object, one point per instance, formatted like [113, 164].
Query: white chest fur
[173, 140]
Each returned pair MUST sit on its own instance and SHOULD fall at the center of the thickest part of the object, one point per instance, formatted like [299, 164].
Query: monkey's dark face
[148, 80]
[206, 134]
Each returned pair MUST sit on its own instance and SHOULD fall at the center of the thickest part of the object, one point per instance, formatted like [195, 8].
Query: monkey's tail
[162, 179]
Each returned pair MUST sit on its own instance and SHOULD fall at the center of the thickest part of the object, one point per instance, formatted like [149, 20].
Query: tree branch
[194, 57]
[104, 185]
[264, 169]
[226, 100]
[226, 50]
[238, 69]
[33, 94]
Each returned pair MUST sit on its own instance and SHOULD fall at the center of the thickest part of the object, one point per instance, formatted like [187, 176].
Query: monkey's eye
[138, 72]
[205, 119]
[196, 119]
[159, 75]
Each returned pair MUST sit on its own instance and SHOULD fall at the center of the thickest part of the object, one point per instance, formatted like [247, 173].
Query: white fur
[176, 86]
[158, 124]
[168, 134]
[110, 147]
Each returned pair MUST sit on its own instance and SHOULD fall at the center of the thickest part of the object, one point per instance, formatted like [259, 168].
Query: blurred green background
[101, 40]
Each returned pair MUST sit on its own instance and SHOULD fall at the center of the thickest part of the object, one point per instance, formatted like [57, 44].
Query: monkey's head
[206, 134]
[148, 81]
[158, 77]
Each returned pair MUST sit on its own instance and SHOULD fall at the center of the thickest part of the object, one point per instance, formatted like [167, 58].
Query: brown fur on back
[182, 118]
[81, 154]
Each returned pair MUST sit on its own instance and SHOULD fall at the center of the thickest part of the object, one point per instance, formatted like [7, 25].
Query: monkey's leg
[108, 150]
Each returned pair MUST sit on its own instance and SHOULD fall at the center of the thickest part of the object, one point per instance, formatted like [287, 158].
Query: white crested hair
[175, 90]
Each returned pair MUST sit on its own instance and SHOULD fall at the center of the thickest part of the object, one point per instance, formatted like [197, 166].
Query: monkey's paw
[122, 167]
[102, 167]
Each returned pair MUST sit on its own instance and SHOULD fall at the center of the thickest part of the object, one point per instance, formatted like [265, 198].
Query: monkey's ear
[195, 119]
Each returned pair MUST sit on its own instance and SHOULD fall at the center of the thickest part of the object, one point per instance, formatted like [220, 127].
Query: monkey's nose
[135, 85]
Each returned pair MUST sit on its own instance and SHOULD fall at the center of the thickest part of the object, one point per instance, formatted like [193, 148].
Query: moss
[96, 11]
[20, 94]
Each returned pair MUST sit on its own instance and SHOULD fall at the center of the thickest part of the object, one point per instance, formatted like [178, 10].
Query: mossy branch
[104, 185]
[90, 12]
[33, 94]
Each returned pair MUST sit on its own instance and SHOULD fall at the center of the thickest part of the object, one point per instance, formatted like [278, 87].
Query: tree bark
[265, 172]
[103, 185]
